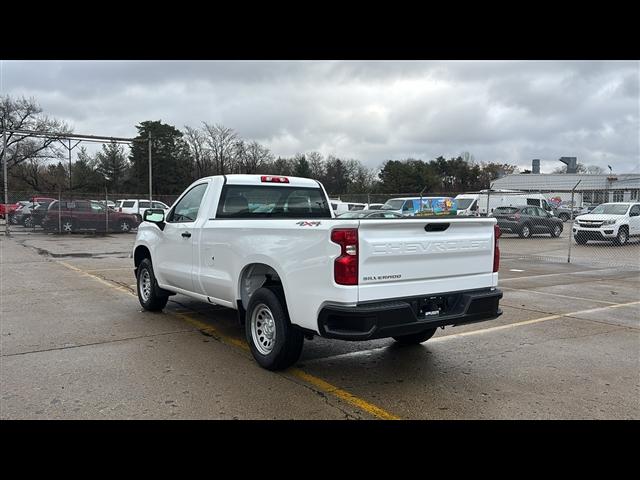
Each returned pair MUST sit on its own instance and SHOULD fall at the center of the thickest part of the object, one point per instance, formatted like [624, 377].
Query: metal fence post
[59, 211]
[106, 210]
[7, 230]
[150, 177]
[571, 219]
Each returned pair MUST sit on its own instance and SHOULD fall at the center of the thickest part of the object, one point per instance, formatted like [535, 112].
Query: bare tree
[256, 158]
[316, 164]
[26, 114]
[222, 144]
[200, 153]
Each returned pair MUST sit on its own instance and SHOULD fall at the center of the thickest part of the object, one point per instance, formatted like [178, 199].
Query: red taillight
[496, 247]
[270, 179]
[345, 267]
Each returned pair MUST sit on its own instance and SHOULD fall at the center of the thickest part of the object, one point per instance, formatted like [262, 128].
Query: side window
[97, 208]
[635, 210]
[143, 204]
[186, 210]
[541, 212]
[158, 205]
[408, 206]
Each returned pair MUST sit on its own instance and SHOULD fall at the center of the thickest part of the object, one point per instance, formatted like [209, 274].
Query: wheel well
[253, 277]
[140, 254]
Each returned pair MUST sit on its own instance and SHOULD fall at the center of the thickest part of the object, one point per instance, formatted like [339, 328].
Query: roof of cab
[238, 179]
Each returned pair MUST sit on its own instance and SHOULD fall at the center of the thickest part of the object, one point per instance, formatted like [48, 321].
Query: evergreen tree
[171, 162]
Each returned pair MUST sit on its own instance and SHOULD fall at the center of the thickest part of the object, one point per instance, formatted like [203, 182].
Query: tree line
[181, 156]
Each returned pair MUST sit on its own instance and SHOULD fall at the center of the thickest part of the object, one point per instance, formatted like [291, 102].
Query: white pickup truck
[271, 248]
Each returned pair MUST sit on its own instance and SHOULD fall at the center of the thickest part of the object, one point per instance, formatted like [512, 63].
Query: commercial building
[592, 189]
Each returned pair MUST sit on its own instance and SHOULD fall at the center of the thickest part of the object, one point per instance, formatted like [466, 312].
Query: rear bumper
[510, 226]
[404, 316]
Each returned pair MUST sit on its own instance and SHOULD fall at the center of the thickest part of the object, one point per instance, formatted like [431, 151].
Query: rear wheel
[148, 288]
[415, 338]
[28, 221]
[525, 231]
[556, 230]
[274, 342]
[67, 225]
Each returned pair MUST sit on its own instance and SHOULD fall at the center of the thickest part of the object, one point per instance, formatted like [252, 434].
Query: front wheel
[148, 288]
[622, 237]
[415, 338]
[274, 342]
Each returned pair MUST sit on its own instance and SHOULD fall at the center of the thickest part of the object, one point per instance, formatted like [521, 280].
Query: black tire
[623, 236]
[67, 225]
[149, 299]
[525, 231]
[415, 338]
[124, 226]
[556, 231]
[580, 240]
[285, 350]
[27, 221]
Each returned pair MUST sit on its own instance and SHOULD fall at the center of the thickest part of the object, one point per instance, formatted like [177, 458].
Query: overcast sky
[503, 111]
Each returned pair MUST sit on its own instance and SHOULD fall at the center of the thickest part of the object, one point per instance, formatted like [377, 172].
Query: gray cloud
[498, 110]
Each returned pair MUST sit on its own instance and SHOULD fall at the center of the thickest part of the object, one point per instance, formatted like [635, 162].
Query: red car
[7, 209]
[74, 215]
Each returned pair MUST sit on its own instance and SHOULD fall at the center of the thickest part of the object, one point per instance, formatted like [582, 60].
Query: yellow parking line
[320, 384]
[343, 395]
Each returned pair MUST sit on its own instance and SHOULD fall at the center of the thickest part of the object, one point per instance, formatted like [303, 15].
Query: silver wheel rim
[263, 329]
[67, 227]
[557, 231]
[525, 231]
[622, 237]
[124, 226]
[145, 285]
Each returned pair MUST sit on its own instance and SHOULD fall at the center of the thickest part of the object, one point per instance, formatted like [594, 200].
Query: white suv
[138, 206]
[609, 221]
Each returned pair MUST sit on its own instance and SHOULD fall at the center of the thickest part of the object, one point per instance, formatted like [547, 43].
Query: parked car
[29, 217]
[375, 206]
[7, 209]
[292, 270]
[616, 221]
[566, 213]
[526, 220]
[340, 207]
[369, 214]
[586, 209]
[138, 206]
[74, 215]
[16, 216]
[109, 203]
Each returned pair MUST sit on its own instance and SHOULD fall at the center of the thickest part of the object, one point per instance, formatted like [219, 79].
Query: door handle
[186, 234]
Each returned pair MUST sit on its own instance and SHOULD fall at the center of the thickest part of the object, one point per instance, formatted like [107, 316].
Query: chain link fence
[590, 226]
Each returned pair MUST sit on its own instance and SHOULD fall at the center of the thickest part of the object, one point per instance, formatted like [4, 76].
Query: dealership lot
[75, 344]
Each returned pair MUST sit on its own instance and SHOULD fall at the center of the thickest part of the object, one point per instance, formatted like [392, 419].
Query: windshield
[611, 209]
[463, 203]
[393, 205]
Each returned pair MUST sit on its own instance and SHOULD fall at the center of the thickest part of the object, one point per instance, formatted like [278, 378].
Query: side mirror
[154, 215]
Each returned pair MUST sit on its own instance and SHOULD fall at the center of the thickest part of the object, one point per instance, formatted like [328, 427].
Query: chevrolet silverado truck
[271, 248]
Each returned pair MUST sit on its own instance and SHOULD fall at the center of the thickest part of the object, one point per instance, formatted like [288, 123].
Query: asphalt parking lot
[75, 344]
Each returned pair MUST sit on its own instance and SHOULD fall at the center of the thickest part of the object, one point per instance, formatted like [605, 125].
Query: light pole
[4, 174]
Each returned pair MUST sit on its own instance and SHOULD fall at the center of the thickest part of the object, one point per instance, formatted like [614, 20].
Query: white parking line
[561, 273]
[559, 295]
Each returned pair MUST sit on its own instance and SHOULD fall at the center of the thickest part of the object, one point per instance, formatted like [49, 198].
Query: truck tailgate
[412, 257]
